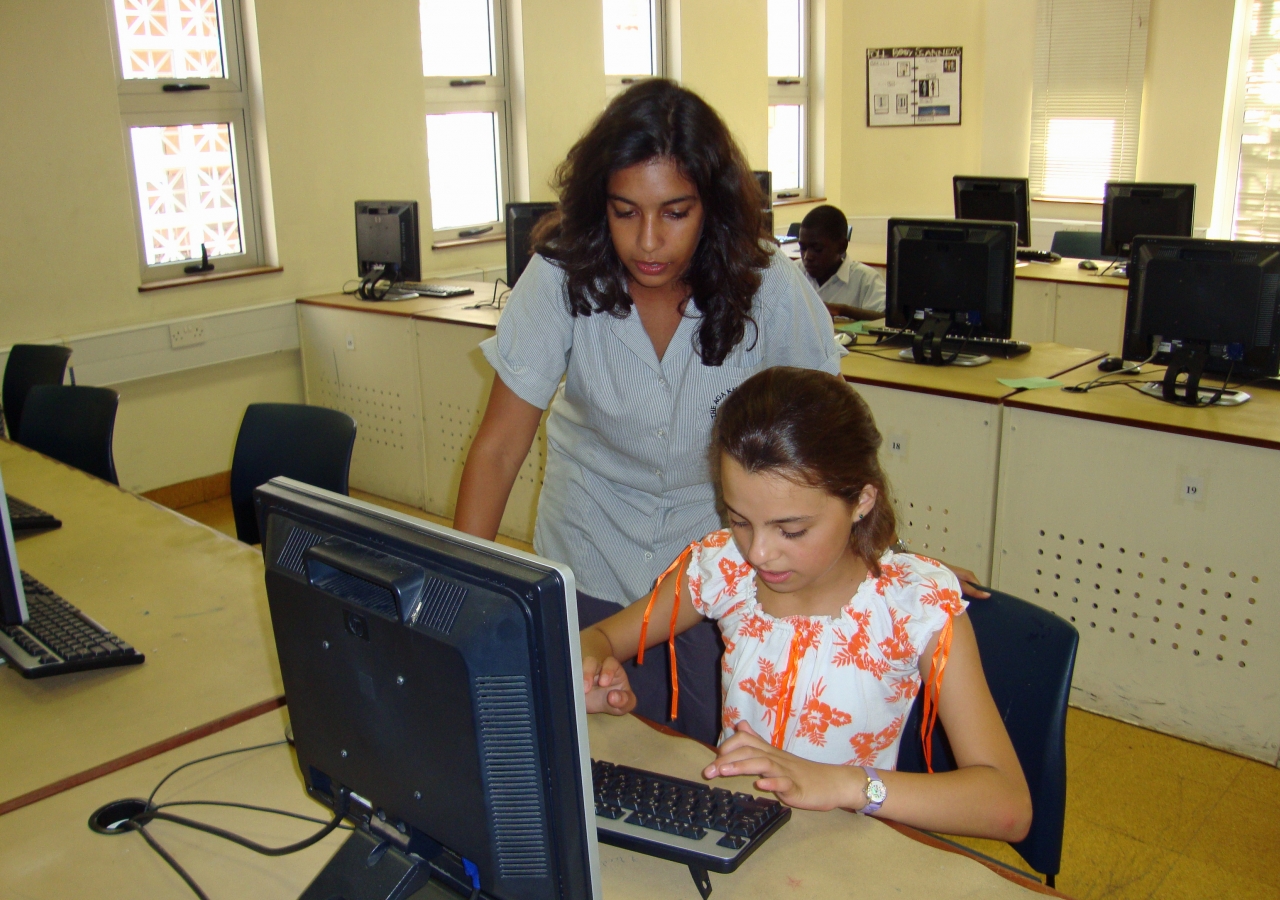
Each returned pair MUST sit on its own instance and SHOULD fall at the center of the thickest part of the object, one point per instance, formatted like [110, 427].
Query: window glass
[186, 191]
[786, 146]
[628, 37]
[1257, 211]
[169, 39]
[457, 38]
[784, 38]
[462, 161]
[1078, 157]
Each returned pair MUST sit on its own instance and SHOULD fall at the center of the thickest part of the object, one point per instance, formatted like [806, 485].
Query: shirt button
[648, 555]
[662, 432]
[657, 472]
[662, 381]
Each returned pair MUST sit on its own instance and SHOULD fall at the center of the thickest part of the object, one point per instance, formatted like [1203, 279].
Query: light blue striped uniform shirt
[627, 485]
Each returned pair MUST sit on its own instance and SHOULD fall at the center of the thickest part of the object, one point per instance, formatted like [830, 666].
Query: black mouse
[1110, 363]
[1088, 264]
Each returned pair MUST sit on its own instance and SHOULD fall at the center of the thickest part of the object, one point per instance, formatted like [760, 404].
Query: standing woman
[653, 295]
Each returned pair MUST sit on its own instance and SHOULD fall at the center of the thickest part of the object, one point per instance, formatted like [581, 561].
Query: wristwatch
[874, 790]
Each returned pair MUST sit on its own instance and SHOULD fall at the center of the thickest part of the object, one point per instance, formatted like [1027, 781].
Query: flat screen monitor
[387, 236]
[434, 686]
[994, 200]
[1133, 208]
[764, 180]
[1213, 300]
[13, 599]
[521, 218]
[953, 273]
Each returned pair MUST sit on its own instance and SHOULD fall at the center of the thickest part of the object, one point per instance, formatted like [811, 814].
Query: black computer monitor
[947, 276]
[764, 180]
[386, 243]
[13, 599]
[1212, 304]
[435, 691]
[1133, 208]
[521, 217]
[994, 200]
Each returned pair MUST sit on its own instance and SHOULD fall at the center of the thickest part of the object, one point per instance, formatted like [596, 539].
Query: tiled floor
[1148, 816]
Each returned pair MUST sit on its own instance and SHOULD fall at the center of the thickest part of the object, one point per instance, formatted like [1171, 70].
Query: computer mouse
[1110, 363]
[1088, 264]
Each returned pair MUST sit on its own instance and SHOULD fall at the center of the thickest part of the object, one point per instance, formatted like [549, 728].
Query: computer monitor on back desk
[995, 200]
[1133, 208]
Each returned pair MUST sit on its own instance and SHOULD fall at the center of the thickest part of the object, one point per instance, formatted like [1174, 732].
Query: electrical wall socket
[187, 334]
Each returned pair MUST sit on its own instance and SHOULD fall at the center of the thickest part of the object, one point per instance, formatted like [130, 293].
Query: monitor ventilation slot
[440, 604]
[363, 593]
[510, 765]
[295, 548]
[1266, 310]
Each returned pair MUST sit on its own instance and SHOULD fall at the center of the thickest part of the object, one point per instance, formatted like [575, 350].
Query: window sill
[1071, 200]
[467, 242]
[796, 201]
[188, 280]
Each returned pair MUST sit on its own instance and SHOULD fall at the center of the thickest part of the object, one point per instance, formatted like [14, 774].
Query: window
[1086, 96]
[464, 72]
[181, 78]
[788, 96]
[1251, 150]
[632, 43]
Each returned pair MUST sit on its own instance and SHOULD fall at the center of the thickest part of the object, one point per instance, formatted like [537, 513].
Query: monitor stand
[1190, 359]
[926, 345]
[366, 868]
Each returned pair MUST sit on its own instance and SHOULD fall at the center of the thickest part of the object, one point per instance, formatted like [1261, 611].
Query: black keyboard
[434, 290]
[1026, 254]
[950, 344]
[58, 638]
[25, 517]
[700, 826]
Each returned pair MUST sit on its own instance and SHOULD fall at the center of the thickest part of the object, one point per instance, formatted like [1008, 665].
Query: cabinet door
[1033, 310]
[1090, 317]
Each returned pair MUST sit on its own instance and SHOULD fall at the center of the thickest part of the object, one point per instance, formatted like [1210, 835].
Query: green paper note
[1030, 384]
[852, 328]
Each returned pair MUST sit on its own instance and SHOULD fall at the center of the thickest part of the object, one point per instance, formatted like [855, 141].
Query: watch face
[875, 792]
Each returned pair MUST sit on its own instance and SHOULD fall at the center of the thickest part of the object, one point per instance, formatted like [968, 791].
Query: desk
[191, 599]
[1174, 593]
[941, 428]
[47, 851]
[1054, 302]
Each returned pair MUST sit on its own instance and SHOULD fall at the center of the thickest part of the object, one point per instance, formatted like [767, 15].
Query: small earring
[861, 516]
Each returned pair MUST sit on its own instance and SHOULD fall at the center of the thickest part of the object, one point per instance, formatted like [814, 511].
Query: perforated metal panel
[1157, 547]
[941, 456]
[455, 382]
[365, 365]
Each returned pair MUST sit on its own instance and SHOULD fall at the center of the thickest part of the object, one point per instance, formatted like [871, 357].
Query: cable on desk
[496, 301]
[1086, 387]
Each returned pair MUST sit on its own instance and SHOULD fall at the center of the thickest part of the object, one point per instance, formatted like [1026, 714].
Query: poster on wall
[913, 86]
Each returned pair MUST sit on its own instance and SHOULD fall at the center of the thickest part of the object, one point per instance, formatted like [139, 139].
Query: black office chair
[29, 365]
[1078, 244]
[311, 444]
[1028, 655]
[74, 425]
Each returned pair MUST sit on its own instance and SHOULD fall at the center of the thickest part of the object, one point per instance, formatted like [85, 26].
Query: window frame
[144, 103]
[658, 52]
[444, 94]
[789, 91]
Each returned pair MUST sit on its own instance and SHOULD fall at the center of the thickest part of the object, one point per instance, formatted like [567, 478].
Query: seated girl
[829, 635]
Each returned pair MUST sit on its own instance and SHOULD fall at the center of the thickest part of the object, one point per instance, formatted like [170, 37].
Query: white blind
[1087, 95]
[1257, 212]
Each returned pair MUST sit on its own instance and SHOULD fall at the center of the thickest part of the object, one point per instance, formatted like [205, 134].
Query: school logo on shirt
[715, 404]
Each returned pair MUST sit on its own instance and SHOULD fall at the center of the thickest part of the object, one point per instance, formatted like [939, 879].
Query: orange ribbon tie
[671, 634]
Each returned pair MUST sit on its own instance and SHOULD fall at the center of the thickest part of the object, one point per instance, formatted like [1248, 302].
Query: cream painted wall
[1009, 36]
[724, 57]
[1186, 76]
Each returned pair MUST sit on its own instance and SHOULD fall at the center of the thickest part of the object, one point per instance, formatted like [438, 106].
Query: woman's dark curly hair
[658, 119]
[813, 429]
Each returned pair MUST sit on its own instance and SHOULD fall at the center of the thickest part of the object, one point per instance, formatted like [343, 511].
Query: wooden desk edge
[374, 307]
[995, 399]
[141, 754]
[915, 834]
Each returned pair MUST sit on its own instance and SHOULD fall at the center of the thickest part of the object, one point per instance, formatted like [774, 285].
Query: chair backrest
[309, 443]
[1028, 655]
[1078, 244]
[29, 365]
[74, 425]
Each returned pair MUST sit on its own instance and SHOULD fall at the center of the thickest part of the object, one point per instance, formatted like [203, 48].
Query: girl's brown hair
[814, 429]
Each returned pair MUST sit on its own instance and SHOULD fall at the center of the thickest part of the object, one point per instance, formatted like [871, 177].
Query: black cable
[252, 808]
[164, 854]
[960, 349]
[202, 759]
[234, 838]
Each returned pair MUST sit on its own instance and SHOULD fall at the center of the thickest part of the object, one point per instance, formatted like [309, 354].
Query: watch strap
[873, 805]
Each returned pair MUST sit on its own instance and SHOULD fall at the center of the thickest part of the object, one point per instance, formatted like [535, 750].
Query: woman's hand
[796, 782]
[968, 583]
[606, 686]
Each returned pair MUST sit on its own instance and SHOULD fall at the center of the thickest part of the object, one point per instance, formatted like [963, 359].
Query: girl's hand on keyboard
[796, 782]
[607, 687]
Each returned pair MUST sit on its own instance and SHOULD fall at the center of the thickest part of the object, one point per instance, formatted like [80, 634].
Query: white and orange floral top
[829, 689]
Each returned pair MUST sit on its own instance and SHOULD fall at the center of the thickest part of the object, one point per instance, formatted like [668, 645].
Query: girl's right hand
[606, 687]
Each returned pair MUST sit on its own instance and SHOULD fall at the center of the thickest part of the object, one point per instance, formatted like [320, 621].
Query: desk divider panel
[365, 364]
[1175, 599]
[941, 456]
